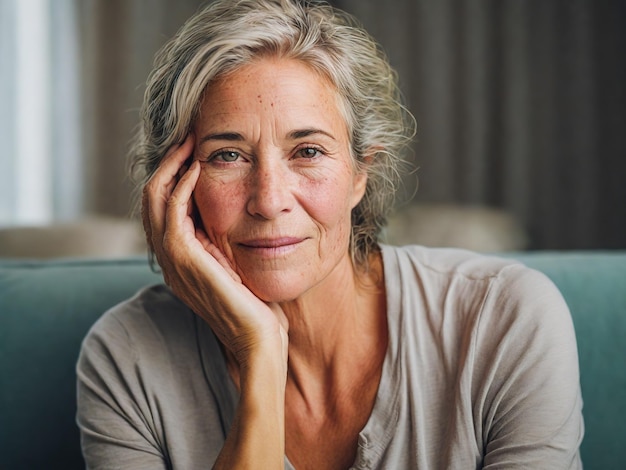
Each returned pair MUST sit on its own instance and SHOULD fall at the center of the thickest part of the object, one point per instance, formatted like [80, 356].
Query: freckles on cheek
[332, 202]
[217, 204]
[331, 209]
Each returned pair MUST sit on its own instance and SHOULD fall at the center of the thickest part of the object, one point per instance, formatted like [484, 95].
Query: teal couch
[46, 307]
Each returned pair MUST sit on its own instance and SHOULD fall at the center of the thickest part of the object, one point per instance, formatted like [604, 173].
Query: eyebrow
[229, 136]
[301, 133]
[293, 135]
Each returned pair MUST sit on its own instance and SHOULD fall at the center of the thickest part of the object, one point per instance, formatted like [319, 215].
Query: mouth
[272, 246]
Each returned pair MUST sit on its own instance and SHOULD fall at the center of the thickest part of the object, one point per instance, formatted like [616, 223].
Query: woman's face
[277, 184]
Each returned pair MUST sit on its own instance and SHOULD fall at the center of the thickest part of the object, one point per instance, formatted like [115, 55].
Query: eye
[225, 156]
[308, 152]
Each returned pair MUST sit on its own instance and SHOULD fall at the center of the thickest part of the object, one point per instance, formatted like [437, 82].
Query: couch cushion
[594, 286]
[46, 309]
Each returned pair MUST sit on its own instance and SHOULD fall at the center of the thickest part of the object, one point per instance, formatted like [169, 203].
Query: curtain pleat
[520, 105]
[120, 39]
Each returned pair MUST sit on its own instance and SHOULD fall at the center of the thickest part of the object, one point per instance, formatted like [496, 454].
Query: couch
[46, 307]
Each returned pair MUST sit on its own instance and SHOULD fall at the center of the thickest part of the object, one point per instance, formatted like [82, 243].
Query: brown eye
[309, 152]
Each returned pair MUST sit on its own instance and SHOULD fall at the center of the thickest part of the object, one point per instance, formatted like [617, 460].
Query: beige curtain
[521, 104]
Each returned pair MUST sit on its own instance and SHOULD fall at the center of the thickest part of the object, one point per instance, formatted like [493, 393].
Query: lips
[271, 243]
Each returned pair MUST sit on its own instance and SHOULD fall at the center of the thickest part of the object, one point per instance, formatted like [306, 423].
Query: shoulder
[446, 261]
[153, 315]
[150, 333]
[148, 345]
[489, 292]
[504, 334]
[502, 276]
[142, 369]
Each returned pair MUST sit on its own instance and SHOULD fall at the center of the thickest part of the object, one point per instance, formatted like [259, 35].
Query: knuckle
[169, 245]
[175, 201]
[148, 188]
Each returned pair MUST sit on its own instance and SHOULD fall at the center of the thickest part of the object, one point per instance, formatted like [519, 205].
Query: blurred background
[520, 105]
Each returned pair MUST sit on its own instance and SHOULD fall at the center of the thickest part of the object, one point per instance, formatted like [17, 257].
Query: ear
[360, 178]
[359, 185]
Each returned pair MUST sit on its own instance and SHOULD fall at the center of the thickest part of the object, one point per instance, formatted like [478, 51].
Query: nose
[270, 191]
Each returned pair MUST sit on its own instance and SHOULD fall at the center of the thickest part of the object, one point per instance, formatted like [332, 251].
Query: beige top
[481, 371]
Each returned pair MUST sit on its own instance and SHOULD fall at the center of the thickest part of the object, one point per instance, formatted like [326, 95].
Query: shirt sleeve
[527, 394]
[112, 406]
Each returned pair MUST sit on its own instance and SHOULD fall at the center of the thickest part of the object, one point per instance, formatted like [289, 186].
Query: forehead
[287, 88]
[271, 69]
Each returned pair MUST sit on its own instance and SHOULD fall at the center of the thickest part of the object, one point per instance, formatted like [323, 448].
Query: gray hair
[228, 34]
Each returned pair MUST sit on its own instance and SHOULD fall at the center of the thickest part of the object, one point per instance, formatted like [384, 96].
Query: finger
[169, 168]
[164, 179]
[177, 155]
[180, 203]
[217, 254]
[145, 220]
[160, 187]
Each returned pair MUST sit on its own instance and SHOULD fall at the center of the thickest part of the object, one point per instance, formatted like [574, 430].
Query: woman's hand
[197, 271]
[253, 332]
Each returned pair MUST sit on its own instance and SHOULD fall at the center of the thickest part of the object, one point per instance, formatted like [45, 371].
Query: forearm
[257, 436]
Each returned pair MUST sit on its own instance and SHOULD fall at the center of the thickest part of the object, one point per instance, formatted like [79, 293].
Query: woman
[287, 336]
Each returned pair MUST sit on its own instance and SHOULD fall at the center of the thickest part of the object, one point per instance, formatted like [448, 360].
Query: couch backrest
[46, 309]
[594, 287]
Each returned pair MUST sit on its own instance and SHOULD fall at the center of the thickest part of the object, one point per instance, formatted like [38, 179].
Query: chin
[274, 290]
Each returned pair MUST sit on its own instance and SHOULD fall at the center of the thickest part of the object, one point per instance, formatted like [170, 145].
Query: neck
[337, 332]
[338, 328]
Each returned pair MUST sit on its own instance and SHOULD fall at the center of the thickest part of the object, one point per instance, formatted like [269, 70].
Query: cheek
[329, 203]
[218, 205]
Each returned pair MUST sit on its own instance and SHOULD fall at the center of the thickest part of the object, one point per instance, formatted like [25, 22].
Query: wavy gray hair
[228, 34]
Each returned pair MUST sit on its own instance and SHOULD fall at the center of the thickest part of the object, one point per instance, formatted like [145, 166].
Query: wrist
[264, 366]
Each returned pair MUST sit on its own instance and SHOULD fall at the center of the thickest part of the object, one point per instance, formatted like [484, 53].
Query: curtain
[120, 39]
[7, 112]
[41, 165]
[521, 105]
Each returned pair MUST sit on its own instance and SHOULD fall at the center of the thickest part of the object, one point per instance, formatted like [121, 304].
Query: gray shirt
[481, 371]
